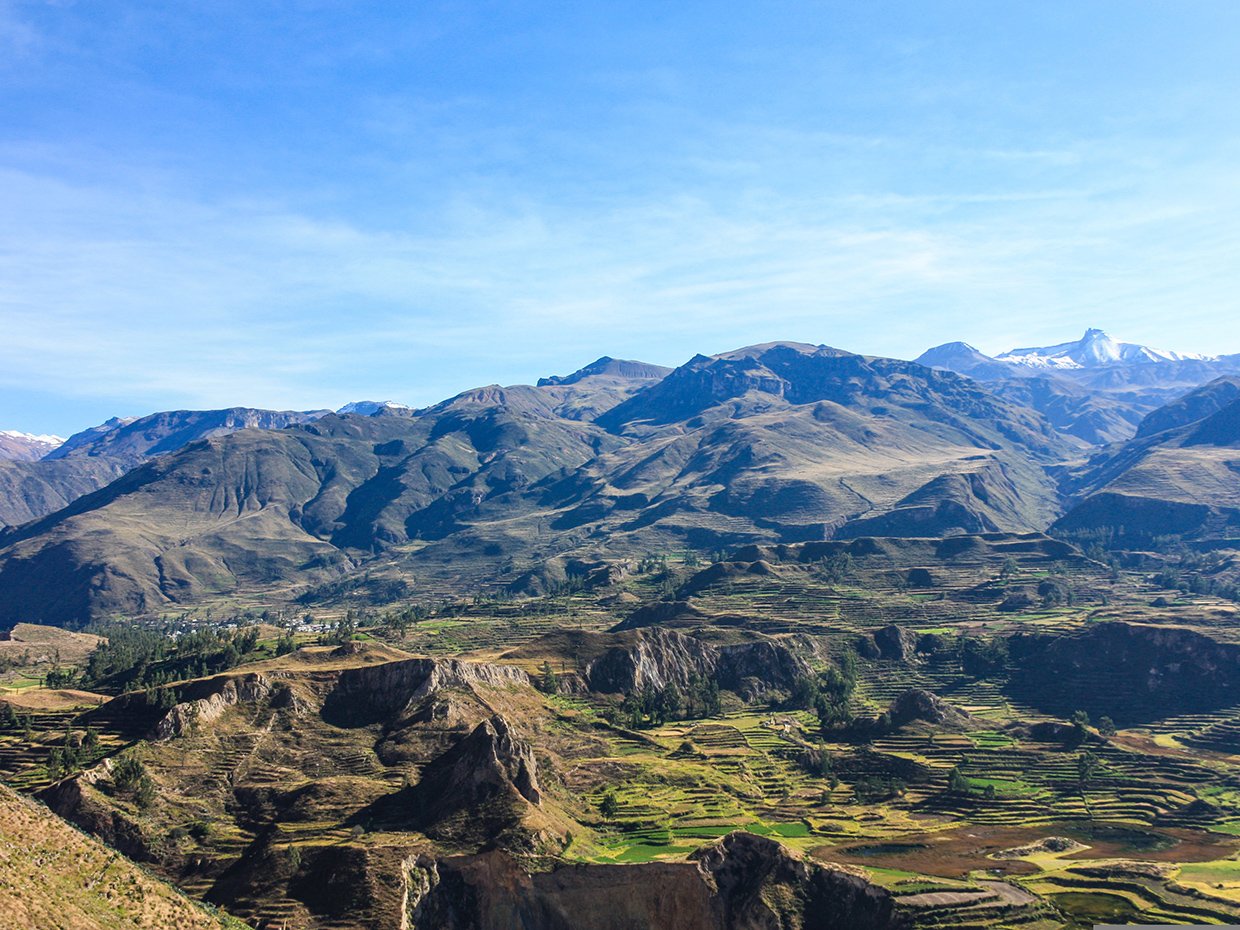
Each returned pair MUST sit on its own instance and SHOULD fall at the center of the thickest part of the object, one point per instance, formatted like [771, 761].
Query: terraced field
[1015, 817]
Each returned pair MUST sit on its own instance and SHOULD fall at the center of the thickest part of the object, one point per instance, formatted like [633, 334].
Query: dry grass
[43, 643]
[45, 699]
[54, 878]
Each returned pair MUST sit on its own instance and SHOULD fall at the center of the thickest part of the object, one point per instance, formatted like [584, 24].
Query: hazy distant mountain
[774, 442]
[370, 407]
[134, 440]
[30, 490]
[36, 486]
[1094, 350]
[777, 442]
[1095, 388]
[25, 447]
[1193, 406]
[1179, 476]
[963, 359]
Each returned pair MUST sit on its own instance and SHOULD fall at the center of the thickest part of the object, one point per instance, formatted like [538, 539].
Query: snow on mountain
[369, 408]
[26, 447]
[46, 439]
[1094, 350]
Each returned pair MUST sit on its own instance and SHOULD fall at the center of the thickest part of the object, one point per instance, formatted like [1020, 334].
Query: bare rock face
[657, 657]
[653, 658]
[741, 882]
[198, 702]
[488, 761]
[893, 643]
[76, 800]
[379, 693]
[764, 887]
[244, 689]
[477, 792]
[919, 704]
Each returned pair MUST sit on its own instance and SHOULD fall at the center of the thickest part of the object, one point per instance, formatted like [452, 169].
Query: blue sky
[301, 204]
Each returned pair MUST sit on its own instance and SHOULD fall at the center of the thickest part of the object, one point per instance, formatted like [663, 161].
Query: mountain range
[780, 442]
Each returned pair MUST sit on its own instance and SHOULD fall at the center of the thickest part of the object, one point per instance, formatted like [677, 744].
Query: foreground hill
[873, 733]
[778, 442]
[56, 878]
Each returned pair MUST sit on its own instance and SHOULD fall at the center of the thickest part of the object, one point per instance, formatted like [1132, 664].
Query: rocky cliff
[741, 882]
[1132, 672]
[654, 657]
[387, 692]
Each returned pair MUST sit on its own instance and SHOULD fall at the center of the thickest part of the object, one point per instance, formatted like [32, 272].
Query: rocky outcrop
[918, 704]
[388, 692]
[761, 885]
[77, 801]
[142, 715]
[675, 613]
[557, 573]
[892, 643]
[741, 882]
[753, 669]
[657, 657]
[490, 760]
[477, 793]
[652, 658]
[243, 689]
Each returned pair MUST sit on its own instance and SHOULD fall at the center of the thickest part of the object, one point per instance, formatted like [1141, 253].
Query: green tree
[609, 806]
[1086, 768]
[958, 782]
[670, 702]
[1080, 723]
[547, 681]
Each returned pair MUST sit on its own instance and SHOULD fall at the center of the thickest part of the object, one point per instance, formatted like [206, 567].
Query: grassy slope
[53, 877]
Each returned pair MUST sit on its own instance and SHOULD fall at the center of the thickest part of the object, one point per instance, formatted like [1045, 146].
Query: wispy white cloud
[146, 294]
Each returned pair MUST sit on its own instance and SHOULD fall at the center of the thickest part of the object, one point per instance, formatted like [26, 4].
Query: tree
[130, 777]
[804, 693]
[836, 568]
[547, 682]
[58, 677]
[127, 772]
[1106, 726]
[1009, 570]
[670, 704]
[958, 782]
[609, 806]
[1055, 592]
[345, 630]
[1086, 768]
[1080, 723]
[712, 704]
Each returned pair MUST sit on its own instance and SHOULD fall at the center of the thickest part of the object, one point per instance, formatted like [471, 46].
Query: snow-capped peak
[369, 408]
[1093, 350]
[46, 439]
